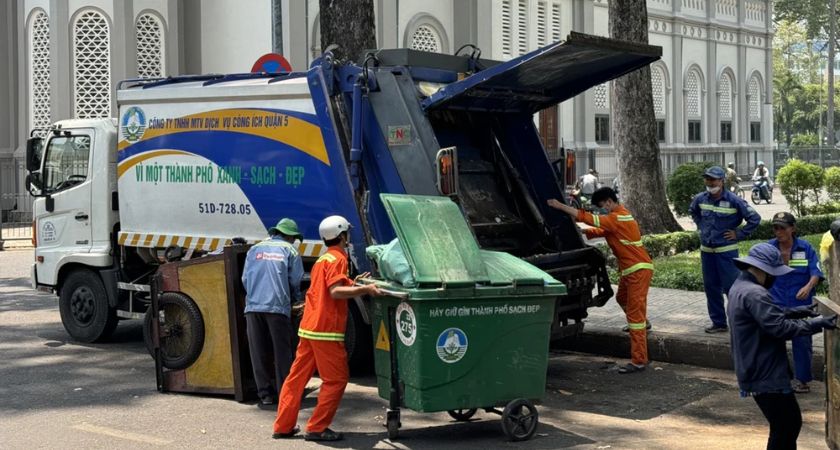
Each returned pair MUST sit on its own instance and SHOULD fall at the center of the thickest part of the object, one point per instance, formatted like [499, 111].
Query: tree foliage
[685, 183]
[799, 180]
[832, 183]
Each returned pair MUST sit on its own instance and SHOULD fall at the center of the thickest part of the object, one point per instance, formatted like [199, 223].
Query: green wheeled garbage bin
[474, 331]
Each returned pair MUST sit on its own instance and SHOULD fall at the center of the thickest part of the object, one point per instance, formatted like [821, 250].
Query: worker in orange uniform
[322, 338]
[621, 231]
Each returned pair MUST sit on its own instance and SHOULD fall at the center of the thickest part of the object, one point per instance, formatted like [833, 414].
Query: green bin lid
[438, 243]
[505, 269]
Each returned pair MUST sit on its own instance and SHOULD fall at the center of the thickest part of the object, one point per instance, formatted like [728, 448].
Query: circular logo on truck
[133, 124]
[406, 324]
[451, 345]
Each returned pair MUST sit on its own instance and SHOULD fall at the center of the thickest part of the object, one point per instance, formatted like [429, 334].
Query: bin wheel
[462, 415]
[181, 330]
[519, 420]
[393, 425]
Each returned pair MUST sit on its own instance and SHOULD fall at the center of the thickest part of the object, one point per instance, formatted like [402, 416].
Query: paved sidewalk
[678, 319]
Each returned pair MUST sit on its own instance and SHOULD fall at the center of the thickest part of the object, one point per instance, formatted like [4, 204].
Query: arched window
[725, 107]
[315, 45]
[39, 71]
[426, 38]
[601, 102]
[150, 46]
[658, 83]
[754, 101]
[694, 106]
[92, 65]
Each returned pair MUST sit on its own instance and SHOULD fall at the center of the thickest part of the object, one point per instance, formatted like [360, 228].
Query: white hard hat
[332, 227]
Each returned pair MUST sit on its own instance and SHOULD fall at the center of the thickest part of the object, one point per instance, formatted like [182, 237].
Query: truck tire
[83, 304]
[358, 343]
[181, 332]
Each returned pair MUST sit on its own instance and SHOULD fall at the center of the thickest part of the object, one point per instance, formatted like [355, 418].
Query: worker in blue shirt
[718, 213]
[796, 289]
[272, 275]
[760, 328]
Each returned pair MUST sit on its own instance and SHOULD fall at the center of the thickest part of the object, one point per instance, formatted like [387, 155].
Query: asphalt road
[59, 394]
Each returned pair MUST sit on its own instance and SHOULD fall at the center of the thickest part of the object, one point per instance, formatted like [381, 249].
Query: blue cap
[766, 258]
[714, 172]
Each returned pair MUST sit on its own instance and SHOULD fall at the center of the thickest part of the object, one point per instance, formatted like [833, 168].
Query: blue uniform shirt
[714, 217]
[272, 275]
[758, 330]
[805, 263]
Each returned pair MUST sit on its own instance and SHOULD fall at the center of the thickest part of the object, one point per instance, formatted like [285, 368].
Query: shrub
[685, 183]
[798, 180]
[832, 183]
[823, 208]
[671, 243]
[819, 180]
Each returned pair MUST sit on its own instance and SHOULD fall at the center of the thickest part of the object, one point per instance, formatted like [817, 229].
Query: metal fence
[745, 158]
[822, 156]
[15, 216]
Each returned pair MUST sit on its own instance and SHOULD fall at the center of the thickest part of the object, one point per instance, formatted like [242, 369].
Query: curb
[675, 348]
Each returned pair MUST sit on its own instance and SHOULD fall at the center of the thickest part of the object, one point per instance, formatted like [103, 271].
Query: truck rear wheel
[358, 342]
[83, 304]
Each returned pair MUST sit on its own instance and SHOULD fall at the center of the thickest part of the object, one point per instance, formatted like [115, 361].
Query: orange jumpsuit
[321, 346]
[635, 267]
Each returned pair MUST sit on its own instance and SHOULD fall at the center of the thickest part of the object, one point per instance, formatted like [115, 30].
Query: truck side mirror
[34, 145]
[33, 182]
[446, 171]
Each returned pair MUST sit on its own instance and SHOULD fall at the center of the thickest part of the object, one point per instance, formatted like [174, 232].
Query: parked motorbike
[761, 191]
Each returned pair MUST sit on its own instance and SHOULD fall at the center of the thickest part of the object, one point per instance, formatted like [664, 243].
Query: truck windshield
[66, 162]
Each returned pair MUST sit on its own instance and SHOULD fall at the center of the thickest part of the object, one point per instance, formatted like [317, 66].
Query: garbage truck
[193, 161]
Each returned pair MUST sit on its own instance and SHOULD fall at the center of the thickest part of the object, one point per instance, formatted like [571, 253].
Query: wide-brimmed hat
[288, 227]
[766, 258]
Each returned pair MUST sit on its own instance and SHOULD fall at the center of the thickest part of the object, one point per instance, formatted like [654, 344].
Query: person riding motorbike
[732, 178]
[761, 178]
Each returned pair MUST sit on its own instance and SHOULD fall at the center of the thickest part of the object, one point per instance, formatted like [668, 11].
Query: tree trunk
[350, 24]
[634, 130]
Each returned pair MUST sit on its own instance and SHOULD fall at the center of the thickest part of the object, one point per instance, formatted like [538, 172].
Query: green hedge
[683, 271]
[685, 241]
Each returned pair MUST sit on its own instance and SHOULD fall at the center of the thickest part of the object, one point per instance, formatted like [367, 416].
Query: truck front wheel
[83, 304]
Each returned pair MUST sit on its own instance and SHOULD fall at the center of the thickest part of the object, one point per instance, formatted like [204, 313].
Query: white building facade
[712, 89]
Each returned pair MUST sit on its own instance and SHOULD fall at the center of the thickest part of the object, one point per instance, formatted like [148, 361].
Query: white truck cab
[75, 212]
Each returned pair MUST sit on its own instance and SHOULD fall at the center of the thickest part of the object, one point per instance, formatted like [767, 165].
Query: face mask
[713, 189]
[768, 281]
[602, 211]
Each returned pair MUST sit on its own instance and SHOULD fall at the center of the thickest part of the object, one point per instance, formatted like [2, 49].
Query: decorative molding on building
[91, 64]
[149, 29]
[425, 32]
[40, 116]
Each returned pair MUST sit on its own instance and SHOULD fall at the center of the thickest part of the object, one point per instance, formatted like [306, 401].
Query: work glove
[823, 322]
[801, 312]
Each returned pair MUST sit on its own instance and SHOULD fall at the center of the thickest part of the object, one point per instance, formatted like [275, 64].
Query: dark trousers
[782, 412]
[270, 344]
[719, 272]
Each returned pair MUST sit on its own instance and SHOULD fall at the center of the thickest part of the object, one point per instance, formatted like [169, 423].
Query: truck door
[66, 178]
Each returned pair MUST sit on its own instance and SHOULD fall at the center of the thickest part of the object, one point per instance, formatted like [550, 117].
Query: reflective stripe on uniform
[718, 209]
[326, 257]
[637, 326]
[633, 243]
[798, 263]
[636, 267]
[320, 336]
[596, 221]
[725, 248]
[625, 218]
[274, 243]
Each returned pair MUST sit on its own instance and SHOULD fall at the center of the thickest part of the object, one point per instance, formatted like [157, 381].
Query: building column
[172, 31]
[61, 61]
[123, 48]
[296, 34]
[713, 123]
[678, 123]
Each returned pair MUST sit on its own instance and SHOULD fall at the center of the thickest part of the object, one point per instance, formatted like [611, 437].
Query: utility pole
[832, 32]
